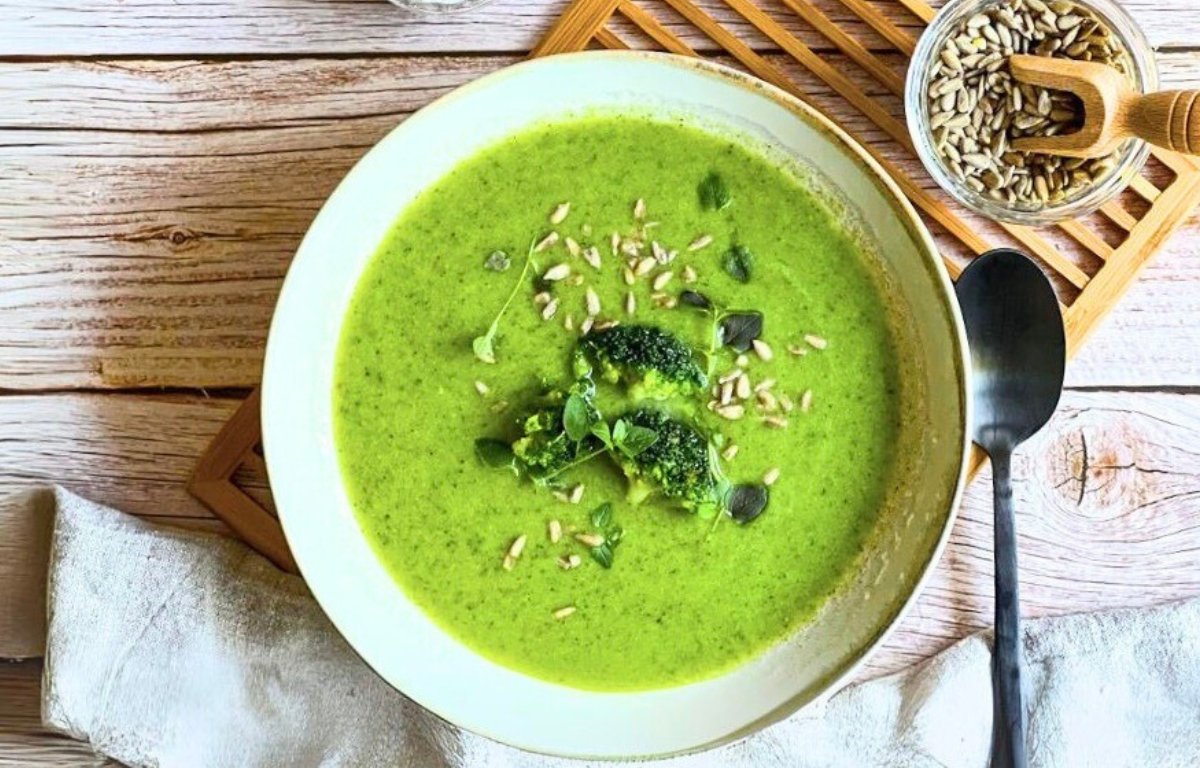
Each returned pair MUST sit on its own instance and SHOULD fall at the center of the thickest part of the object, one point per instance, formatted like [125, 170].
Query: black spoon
[1018, 352]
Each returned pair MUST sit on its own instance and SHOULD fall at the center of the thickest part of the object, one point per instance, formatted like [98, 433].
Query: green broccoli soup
[618, 402]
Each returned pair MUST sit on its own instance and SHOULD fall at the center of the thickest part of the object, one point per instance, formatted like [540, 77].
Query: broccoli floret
[679, 464]
[545, 454]
[652, 363]
[544, 448]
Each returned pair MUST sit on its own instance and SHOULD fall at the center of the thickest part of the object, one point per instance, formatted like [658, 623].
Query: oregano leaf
[738, 330]
[602, 515]
[495, 453]
[739, 263]
[747, 502]
[636, 440]
[603, 554]
[577, 422]
[714, 195]
[695, 299]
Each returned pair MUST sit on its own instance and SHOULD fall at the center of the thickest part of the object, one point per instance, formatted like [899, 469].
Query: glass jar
[1133, 153]
[437, 7]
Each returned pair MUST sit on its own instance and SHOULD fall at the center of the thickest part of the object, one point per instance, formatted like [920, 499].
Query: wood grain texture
[158, 27]
[1108, 515]
[127, 260]
[24, 743]
[132, 452]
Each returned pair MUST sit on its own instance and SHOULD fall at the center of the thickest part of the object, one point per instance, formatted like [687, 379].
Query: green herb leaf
[577, 417]
[615, 535]
[603, 433]
[484, 346]
[602, 515]
[714, 196]
[495, 453]
[636, 439]
[747, 502]
[497, 261]
[739, 263]
[695, 299]
[603, 554]
[619, 430]
[739, 329]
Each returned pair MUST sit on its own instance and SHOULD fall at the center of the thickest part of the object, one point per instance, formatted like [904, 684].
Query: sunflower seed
[732, 412]
[546, 242]
[816, 342]
[767, 401]
[517, 547]
[743, 389]
[557, 272]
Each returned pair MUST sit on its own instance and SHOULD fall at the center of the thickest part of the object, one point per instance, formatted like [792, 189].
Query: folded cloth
[172, 648]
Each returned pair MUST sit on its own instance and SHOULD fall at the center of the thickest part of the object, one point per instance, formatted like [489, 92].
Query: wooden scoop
[1112, 109]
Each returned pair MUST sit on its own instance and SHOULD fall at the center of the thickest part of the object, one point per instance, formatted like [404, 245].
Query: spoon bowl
[1018, 354]
[1017, 344]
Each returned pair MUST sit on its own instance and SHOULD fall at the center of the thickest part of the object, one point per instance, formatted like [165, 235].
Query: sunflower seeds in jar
[977, 109]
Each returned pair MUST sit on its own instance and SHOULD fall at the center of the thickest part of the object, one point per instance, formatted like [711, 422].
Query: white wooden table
[159, 162]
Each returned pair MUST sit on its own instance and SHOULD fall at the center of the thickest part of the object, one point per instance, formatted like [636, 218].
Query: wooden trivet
[1093, 259]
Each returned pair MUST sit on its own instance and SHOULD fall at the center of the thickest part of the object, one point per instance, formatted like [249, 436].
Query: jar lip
[1132, 159]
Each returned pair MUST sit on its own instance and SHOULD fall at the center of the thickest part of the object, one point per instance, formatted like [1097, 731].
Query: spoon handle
[1008, 706]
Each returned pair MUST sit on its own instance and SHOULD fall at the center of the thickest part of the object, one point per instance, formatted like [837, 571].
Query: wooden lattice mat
[857, 79]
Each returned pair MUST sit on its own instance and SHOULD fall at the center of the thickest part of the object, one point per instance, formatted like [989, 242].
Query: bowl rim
[275, 371]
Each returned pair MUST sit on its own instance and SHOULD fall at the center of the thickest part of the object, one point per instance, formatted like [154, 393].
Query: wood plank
[134, 452]
[148, 211]
[1108, 515]
[24, 743]
[168, 248]
[1108, 503]
[216, 27]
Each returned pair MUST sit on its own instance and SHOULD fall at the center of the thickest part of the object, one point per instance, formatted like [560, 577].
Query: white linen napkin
[171, 648]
